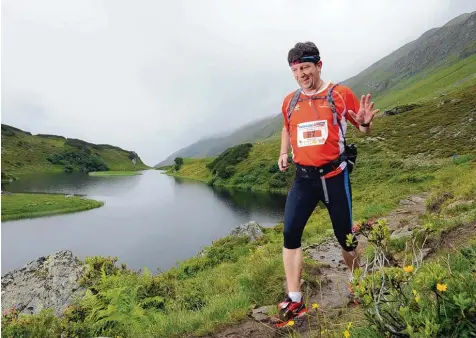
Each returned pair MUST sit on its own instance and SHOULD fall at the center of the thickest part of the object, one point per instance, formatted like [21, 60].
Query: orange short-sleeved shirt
[315, 140]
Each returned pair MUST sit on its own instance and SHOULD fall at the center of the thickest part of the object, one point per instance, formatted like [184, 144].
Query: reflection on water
[78, 183]
[151, 220]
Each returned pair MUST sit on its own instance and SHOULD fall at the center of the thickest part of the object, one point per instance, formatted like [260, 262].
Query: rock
[261, 314]
[454, 101]
[47, 282]
[407, 202]
[251, 229]
[401, 109]
[374, 139]
[402, 232]
[460, 203]
[425, 252]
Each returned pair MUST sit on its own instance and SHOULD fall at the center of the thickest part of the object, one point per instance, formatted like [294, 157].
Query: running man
[316, 134]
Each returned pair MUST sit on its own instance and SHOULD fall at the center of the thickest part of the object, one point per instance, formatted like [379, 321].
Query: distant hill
[263, 129]
[407, 145]
[438, 47]
[23, 153]
[440, 61]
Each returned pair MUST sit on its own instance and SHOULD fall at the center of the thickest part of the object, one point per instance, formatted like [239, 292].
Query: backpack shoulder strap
[293, 102]
[330, 101]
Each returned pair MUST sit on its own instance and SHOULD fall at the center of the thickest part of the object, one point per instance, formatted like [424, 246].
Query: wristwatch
[365, 124]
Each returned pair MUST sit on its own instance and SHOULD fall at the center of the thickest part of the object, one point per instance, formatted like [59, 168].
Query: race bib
[312, 133]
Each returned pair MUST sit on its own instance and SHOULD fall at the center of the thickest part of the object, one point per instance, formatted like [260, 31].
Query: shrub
[227, 249]
[436, 299]
[223, 164]
[82, 159]
[178, 163]
[45, 324]
[273, 168]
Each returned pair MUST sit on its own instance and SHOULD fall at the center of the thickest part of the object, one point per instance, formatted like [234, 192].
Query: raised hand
[365, 113]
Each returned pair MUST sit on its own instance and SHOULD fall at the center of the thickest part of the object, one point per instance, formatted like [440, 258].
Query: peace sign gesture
[365, 113]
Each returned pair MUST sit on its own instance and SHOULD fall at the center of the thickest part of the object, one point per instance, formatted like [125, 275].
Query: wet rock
[47, 282]
[251, 229]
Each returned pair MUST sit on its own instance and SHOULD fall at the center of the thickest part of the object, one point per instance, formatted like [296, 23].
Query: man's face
[307, 74]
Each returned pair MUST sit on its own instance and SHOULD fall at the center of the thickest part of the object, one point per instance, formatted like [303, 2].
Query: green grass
[221, 286]
[430, 83]
[19, 206]
[412, 156]
[23, 153]
[114, 173]
[193, 169]
[407, 147]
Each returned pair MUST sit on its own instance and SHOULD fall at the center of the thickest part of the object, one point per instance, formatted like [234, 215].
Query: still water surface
[151, 220]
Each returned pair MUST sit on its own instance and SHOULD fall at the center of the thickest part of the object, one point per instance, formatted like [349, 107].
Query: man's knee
[292, 239]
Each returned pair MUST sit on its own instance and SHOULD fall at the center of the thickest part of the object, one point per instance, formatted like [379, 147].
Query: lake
[150, 220]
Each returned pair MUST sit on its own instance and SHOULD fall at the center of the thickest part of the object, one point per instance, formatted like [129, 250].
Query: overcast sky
[155, 76]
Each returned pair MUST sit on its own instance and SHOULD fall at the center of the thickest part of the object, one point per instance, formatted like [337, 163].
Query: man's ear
[319, 65]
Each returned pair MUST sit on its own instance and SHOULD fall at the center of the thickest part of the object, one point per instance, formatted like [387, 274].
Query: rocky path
[332, 293]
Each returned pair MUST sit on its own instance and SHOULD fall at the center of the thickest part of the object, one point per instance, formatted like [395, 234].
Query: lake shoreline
[229, 186]
[115, 173]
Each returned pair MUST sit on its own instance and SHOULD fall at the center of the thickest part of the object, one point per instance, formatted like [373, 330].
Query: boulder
[251, 229]
[47, 282]
[401, 109]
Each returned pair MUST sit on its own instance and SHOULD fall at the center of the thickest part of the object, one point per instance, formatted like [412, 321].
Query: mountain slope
[418, 140]
[445, 45]
[257, 130]
[23, 153]
[442, 60]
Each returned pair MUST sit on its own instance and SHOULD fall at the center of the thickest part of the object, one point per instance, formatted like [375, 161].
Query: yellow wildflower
[408, 268]
[291, 323]
[315, 306]
[346, 334]
[441, 287]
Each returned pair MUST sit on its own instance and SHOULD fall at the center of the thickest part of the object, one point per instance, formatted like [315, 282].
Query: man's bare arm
[284, 141]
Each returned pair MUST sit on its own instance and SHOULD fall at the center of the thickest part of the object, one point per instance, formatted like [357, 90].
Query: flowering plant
[434, 299]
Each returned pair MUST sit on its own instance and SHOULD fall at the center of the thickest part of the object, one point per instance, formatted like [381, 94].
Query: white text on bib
[312, 133]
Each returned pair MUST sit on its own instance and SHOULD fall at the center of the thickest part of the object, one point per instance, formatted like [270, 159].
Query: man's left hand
[365, 113]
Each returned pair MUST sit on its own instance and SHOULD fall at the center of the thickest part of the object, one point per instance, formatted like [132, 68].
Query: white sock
[295, 296]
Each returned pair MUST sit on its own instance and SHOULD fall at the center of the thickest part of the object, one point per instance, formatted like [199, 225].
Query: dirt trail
[332, 293]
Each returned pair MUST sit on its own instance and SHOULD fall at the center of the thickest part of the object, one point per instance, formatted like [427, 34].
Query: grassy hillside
[407, 154]
[449, 44]
[426, 135]
[431, 83]
[23, 153]
[257, 130]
